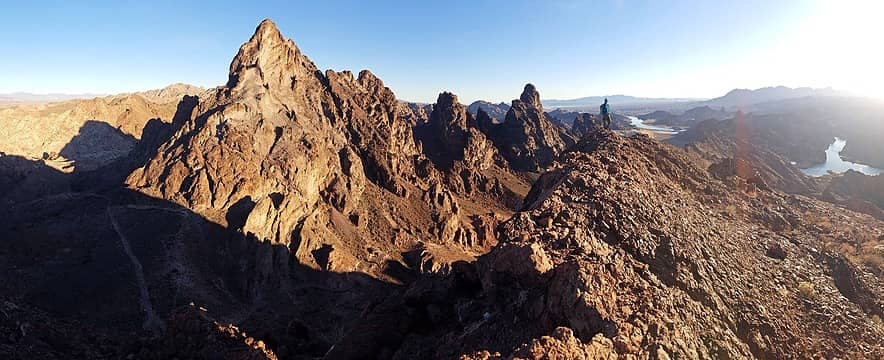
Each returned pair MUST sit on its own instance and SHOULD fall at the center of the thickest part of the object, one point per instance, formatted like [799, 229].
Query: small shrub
[806, 289]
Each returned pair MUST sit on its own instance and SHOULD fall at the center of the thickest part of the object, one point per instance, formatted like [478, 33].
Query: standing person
[605, 114]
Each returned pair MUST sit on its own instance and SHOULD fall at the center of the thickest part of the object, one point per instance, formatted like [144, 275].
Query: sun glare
[840, 44]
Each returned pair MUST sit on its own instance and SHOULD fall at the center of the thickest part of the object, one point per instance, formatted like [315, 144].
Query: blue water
[639, 123]
[835, 164]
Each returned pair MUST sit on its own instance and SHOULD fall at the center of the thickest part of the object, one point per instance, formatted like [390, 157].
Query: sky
[476, 49]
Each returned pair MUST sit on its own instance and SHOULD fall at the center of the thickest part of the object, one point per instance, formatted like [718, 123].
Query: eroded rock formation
[526, 138]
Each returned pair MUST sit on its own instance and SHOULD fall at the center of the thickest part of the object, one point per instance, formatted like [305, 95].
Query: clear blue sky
[477, 49]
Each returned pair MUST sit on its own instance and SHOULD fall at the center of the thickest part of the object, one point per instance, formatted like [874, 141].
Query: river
[835, 164]
[639, 123]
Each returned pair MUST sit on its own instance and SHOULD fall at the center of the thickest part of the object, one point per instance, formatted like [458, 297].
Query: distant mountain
[171, 92]
[495, 111]
[28, 98]
[745, 97]
[620, 100]
[689, 117]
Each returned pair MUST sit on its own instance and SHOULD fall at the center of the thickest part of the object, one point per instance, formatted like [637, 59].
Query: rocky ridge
[638, 252]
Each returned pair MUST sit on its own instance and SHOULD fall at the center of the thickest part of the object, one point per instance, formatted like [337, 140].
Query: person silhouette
[605, 114]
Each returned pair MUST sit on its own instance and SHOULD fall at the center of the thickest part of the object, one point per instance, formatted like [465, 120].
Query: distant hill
[620, 100]
[746, 97]
[688, 118]
[495, 111]
[28, 98]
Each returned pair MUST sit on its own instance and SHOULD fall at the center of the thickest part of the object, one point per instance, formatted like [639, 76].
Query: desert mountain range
[297, 213]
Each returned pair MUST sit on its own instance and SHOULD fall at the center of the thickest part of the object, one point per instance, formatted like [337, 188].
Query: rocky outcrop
[415, 113]
[585, 124]
[451, 134]
[526, 138]
[485, 122]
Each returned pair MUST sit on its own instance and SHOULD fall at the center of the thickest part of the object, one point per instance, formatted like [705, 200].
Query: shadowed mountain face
[743, 98]
[87, 269]
[295, 214]
[96, 144]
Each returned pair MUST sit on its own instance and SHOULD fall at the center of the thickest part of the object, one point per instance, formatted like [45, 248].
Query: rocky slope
[87, 134]
[585, 124]
[638, 252]
[792, 136]
[857, 191]
[757, 146]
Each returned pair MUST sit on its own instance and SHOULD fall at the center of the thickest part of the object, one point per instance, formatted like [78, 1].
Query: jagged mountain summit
[310, 160]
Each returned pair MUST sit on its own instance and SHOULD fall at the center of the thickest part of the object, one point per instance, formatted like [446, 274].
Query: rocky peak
[527, 139]
[445, 134]
[450, 113]
[531, 97]
[270, 60]
[292, 156]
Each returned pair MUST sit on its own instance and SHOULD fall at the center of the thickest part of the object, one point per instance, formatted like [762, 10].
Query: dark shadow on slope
[81, 260]
[155, 133]
[97, 143]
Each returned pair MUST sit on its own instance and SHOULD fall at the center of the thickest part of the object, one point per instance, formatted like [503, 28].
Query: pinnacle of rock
[446, 100]
[269, 58]
[531, 97]
[266, 30]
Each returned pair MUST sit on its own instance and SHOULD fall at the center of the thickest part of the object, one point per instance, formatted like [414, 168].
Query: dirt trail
[151, 320]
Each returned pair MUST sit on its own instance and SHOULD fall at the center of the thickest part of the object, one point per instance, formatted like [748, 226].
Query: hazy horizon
[487, 50]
